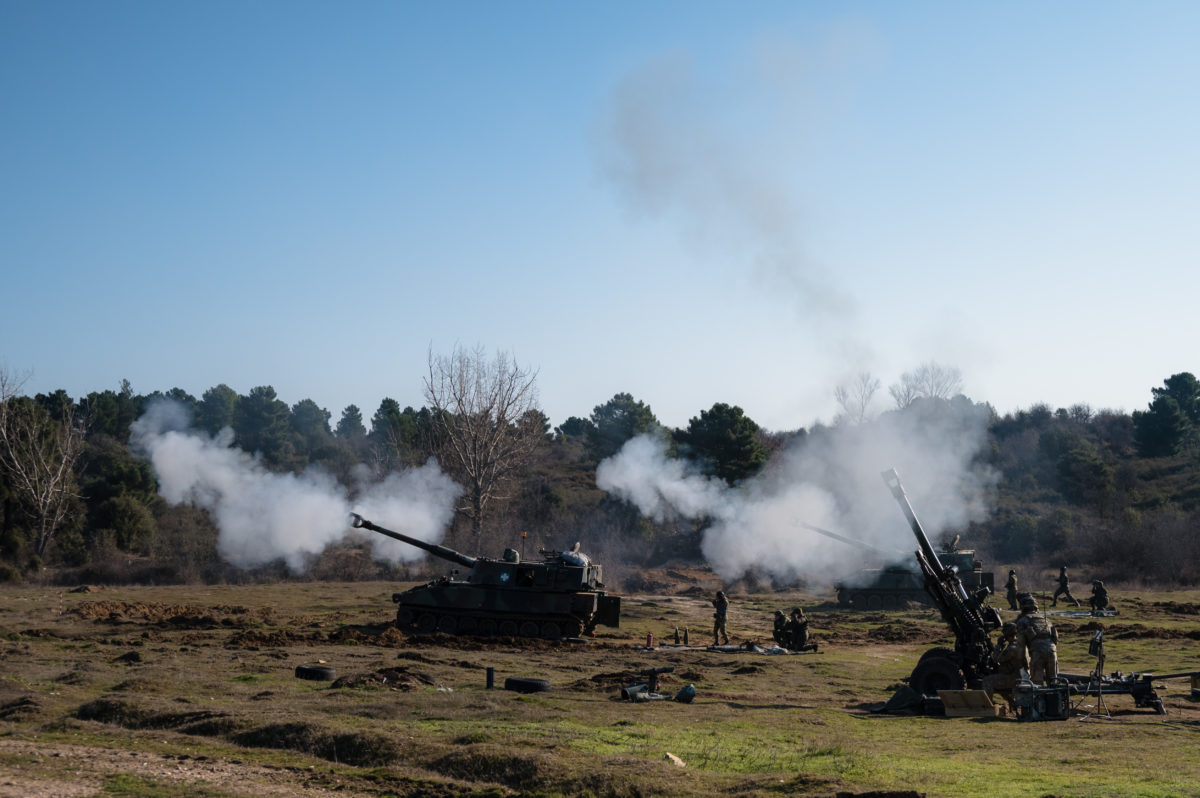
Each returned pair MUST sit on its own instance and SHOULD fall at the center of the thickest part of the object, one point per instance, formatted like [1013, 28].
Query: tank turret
[561, 596]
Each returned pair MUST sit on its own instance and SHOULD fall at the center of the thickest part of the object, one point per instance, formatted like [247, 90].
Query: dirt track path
[62, 770]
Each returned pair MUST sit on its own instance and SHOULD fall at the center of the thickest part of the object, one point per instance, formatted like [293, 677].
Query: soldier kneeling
[1010, 661]
[797, 632]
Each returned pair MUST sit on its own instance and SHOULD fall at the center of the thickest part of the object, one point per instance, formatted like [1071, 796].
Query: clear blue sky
[691, 202]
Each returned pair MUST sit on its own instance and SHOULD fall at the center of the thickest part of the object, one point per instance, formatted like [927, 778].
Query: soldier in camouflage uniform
[1011, 659]
[797, 632]
[1036, 634]
[779, 632]
[721, 607]
[1099, 599]
[1064, 588]
[1010, 590]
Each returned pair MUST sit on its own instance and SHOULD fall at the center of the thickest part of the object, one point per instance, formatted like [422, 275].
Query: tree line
[1120, 492]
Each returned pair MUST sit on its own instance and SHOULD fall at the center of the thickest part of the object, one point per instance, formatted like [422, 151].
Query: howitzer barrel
[893, 481]
[853, 542]
[358, 522]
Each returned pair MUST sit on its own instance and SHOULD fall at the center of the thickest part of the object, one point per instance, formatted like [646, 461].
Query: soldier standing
[1064, 588]
[1010, 661]
[797, 632]
[1099, 599]
[721, 605]
[1010, 588]
[1036, 634]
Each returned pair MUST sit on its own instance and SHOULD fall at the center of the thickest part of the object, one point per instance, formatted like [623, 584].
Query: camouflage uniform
[1064, 588]
[1010, 661]
[1099, 599]
[797, 632]
[1010, 588]
[1039, 637]
[779, 632]
[721, 605]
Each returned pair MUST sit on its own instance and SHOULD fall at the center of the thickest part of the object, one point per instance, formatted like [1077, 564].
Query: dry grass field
[183, 691]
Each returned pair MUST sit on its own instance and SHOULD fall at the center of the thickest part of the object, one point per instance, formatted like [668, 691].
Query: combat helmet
[1028, 602]
[1009, 628]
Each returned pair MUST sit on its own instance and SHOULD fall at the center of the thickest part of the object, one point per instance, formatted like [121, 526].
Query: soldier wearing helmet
[779, 632]
[1010, 661]
[1099, 599]
[1039, 637]
[1010, 588]
[1064, 588]
[721, 607]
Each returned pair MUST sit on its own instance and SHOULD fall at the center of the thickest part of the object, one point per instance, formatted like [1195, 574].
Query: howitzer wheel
[874, 602]
[426, 623]
[551, 630]
[936, 673]
[939, 651]
[447, 624]
[508, 628]
[529, 629]
[489, 627]
[468, 625]
[405, 617]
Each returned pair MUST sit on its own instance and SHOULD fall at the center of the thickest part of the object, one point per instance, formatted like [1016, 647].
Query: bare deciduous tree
[486, 430]
[38, 453]
[928, 381]
[855, 398]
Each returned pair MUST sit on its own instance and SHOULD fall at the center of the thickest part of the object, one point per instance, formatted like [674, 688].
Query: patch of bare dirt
[389, 678]
[1177, 608]
[61, 770]
[181, 616]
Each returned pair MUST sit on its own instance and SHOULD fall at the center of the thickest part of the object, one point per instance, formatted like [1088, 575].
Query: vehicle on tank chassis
[894, 585]
[556, 598]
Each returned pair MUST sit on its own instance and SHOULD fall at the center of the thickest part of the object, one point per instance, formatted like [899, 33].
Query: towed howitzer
[561, 596]
[966, 612]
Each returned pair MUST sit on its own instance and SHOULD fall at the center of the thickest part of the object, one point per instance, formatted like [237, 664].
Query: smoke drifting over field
[830, 479]
[263, 516]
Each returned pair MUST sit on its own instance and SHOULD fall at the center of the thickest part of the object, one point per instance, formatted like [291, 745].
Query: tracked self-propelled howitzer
[967, 613]
[560, 596]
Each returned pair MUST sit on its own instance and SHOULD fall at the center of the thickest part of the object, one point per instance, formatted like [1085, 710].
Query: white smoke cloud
[830, 479]
[262, 516]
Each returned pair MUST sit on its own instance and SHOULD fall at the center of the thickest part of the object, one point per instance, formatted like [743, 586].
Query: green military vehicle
[901, 581]
[560, 596]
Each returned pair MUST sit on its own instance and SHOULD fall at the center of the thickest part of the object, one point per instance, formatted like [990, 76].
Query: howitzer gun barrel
[893, 481]
[853, 542]
[358, 522]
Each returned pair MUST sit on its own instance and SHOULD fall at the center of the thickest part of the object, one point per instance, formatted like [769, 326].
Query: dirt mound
[282, 638]
[1176, 608]
[358, 749]
[895, 632]
[386, 637]
[390, 678]
[605, 682]
[1139, 632]
[185, 616]
[20, 709]
[508, 769]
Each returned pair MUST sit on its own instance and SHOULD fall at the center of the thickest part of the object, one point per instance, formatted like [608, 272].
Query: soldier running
[1064, 588]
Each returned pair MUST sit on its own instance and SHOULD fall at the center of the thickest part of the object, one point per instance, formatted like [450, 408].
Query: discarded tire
[521, 685]
[316, 673]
